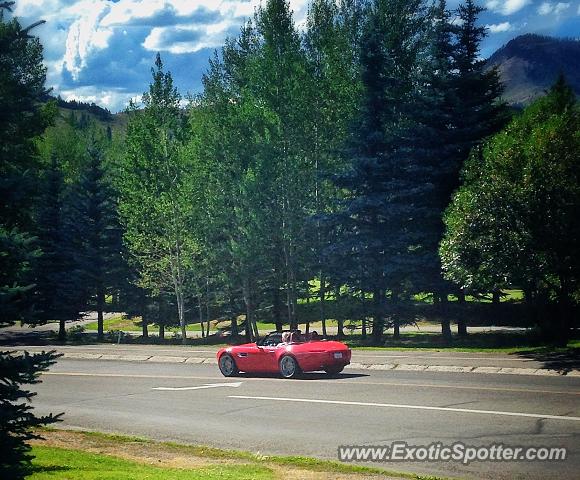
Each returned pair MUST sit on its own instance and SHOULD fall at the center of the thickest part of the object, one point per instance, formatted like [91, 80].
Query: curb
[353, 366]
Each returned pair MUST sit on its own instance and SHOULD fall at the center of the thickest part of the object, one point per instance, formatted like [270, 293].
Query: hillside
[529, 65]
[83, 113]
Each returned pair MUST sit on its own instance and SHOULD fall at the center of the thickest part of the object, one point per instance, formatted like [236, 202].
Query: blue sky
[102, 50]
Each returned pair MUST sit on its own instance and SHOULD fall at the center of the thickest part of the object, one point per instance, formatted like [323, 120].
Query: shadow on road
[306, 376]
[27, 338]
[562, 360]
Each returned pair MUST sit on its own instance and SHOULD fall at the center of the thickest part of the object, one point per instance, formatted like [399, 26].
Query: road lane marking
[200, 387]
[322, 380]
[126, 375]
[409, 407]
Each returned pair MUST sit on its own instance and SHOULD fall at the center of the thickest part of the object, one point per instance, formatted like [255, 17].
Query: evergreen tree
[429, 148]
[96, 231]
[373, 222]
[331, 46]
[59, 291]
[16, 416]
[22, 119]
[480, 112]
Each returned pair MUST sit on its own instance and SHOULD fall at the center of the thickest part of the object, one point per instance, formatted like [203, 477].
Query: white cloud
[108, 98]
[547, 8]
[86, 36]
[186, 39]
[500, 27]
[507, 7]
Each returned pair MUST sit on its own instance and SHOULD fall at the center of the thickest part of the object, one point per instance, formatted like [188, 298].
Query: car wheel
[334, 370]
[289, 367]
[228, 366]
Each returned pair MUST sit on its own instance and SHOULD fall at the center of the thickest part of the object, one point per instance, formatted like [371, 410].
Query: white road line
[199, 387]
[345, 381]
[410, 407]
[123, 375]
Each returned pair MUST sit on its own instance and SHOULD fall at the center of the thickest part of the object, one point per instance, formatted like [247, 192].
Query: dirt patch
[168, 456]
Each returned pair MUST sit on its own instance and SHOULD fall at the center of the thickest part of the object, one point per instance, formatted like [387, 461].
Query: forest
[361, 169]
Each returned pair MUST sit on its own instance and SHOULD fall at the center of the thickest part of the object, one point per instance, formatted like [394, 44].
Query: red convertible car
[286, 353]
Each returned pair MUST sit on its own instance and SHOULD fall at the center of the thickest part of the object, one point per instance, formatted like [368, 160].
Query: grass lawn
[133, 325]
[60, 463]
[95, 456]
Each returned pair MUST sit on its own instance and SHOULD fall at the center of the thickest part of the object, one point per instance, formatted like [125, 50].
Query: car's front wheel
[335, 370]
[289, 367]
[228, 366]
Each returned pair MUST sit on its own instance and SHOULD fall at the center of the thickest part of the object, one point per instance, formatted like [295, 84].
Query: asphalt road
[312, 416]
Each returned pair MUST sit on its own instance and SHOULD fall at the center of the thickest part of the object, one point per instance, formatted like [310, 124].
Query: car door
[255, 358]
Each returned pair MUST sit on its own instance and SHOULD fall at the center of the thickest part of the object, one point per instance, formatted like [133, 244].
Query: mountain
[83, 113]
[529, 65]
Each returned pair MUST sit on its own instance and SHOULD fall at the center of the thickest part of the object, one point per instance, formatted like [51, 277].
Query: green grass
[60, 463]
[134, 325]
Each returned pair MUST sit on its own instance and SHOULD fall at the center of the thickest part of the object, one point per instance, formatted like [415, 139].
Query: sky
[102, 50]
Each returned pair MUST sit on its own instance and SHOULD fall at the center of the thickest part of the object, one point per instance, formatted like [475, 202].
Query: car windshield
[276, 338]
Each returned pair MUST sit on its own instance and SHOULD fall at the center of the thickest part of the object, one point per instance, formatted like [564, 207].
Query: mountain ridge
[530, 64]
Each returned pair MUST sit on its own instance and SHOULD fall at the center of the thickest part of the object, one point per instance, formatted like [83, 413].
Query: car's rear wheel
[334, 370]
[289, 367]
[228, 366]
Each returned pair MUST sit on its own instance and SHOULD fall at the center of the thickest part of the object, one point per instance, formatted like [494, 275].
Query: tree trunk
[564, 313]
[162, 331]
[249, 309]
[378, 318]
[445, 322]
[161, 319]
[396, 328]
[200, 314]
[322, 293]
[396, 319]
[181, 314]
[461, 323]
[339, 320]
[234, 328]
[277, 310]
[144, 320]
[61, 330]
[100, 309]
[496, 296]
[364, 315]
[207, 307]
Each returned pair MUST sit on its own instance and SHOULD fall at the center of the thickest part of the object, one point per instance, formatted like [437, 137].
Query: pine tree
[95, 231]
[331, 47]
[59, 291]
[16, 417]
[379, 203]
[22, 119]
[480, 112]
[430, 149]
